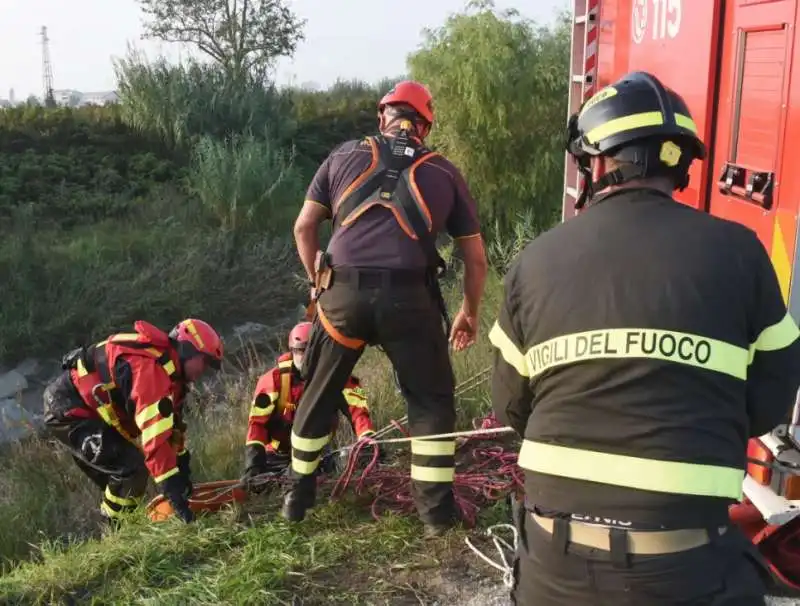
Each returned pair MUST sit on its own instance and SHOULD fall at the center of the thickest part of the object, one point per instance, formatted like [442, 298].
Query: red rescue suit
[274, 402]
[150, 415]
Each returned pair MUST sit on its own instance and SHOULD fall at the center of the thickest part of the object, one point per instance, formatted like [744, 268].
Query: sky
[86, 34]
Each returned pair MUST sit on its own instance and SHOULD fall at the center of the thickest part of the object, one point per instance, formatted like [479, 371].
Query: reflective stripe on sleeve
[355, 397]
[258, 411]
[778, 336]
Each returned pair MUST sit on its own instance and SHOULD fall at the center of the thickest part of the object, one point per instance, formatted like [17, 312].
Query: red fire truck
[733, 61]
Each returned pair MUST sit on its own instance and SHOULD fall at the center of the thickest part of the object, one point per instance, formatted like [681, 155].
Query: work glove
[176, 490]
[261, 462]
[329, 463]
[184, 467]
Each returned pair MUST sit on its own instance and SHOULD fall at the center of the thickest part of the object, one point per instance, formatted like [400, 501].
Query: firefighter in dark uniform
[388, 197]
[638, 346]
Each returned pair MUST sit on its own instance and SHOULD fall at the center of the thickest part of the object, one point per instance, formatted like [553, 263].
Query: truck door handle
[751, 185]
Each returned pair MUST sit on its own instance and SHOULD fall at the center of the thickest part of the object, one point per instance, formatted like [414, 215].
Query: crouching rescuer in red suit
[277, 393]
[388, 197]
[118, 408]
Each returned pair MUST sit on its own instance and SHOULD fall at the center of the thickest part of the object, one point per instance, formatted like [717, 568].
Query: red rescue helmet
[298, 338]
[411, 93]
[195, 337]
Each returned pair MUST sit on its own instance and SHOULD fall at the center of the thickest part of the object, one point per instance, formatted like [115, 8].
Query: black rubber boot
[299, 498]
[436, 527]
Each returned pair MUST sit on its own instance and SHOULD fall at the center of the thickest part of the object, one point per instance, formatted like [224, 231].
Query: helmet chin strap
[624, 173]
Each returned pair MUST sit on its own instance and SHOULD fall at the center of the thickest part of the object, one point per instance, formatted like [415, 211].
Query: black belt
[363, 277]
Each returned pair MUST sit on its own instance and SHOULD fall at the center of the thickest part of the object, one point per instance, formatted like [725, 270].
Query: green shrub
[76, 166]
[180, 103]
[500, 86]
[246, 183]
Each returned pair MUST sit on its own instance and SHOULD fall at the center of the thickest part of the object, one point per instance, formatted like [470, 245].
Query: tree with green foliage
[244, 36]
[500, 87]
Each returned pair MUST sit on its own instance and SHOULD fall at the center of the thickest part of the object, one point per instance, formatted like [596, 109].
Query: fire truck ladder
[583, 76]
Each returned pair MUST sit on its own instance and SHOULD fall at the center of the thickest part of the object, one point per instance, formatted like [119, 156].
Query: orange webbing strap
[284, 396]
[349, 342]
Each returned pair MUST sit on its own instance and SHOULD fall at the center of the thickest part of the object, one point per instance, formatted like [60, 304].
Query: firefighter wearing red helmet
[388, 197]
[118, 407]
[638, 346]
[273, 409]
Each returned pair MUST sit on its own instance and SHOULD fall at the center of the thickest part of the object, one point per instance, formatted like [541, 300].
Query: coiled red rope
[484, 474]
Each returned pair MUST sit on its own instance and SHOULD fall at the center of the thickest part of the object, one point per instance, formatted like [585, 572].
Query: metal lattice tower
[47, 70]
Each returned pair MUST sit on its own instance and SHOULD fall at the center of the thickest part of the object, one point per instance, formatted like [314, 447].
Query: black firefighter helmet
[640, 123]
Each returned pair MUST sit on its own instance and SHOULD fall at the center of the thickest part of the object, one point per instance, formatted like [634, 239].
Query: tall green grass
[169, 261]
[245, 183]
[180, 103]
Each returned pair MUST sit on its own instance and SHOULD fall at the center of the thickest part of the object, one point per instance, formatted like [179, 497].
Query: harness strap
[390, 164]
[95, 359]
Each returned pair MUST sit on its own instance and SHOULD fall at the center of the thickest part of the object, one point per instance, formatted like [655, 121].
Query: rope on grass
[503, 548]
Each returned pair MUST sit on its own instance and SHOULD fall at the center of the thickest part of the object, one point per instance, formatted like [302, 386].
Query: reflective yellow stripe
[81, 368]
[433, 447]
[156, 429]
[632, 472]
[107, 413]
[169, 366]
[285, 364]
[619, 125]
[249, 442]
[166, 475]
[666, 345]
[195, 335]
[642, 120]
[365, 433]
[123, 501]
[777, 336]
[275, 444]
[305, 468]
[123, 336]
[146, 414]
[104, 507]
[258, 411]
[432, 474]
[309, 444]
[355, 397]
[686, 122]
[602, 95]
[508, 350]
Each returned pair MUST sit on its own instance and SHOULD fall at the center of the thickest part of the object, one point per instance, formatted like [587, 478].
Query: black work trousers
[399, 313]
[114, 464]
[728, 571]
